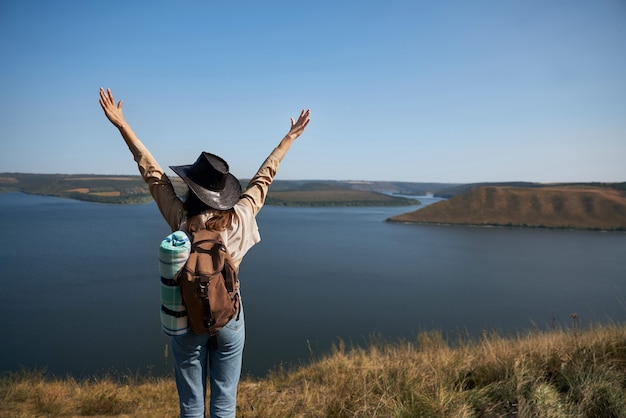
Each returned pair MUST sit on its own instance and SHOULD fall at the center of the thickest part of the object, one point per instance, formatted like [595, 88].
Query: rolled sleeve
[160, 186]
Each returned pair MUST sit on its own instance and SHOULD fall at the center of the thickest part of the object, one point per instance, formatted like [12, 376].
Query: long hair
[218, 220]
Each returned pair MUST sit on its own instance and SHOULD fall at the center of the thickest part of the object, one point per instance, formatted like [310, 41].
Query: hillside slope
[552, 207]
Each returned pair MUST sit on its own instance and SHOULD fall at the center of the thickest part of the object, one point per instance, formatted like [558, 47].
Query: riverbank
[560, 373]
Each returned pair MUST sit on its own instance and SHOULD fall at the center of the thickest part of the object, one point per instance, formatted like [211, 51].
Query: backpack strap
[176, 314]
[169, 282]
[203, 289]
[195, 244]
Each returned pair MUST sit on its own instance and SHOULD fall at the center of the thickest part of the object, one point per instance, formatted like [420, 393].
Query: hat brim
[222, 200]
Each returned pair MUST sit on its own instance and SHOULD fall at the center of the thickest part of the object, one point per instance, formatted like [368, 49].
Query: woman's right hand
[112, 112]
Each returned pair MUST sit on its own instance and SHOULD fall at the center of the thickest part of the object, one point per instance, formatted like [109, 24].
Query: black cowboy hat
[208, 178]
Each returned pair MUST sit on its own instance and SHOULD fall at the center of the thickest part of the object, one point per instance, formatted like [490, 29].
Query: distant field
[133, 190]
[100, 178]
[577, 207]
[102, 189]
[337, 197]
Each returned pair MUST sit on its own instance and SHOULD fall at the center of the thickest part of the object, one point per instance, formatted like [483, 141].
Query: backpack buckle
[203, 289]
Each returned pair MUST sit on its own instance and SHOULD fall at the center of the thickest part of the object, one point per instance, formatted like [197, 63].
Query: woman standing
[214, 201]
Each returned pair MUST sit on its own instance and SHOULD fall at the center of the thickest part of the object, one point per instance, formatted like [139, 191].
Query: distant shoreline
[579, 206]
[469, 225]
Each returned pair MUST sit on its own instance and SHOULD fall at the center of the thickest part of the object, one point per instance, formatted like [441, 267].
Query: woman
[214, 201]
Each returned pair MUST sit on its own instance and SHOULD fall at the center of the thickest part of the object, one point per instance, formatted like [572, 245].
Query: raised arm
[256, 192]
[159, 184]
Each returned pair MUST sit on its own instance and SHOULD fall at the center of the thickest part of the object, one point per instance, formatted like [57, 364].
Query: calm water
[79, 283]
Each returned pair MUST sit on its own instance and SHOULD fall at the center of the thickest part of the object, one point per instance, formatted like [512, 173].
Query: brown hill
[576, 207]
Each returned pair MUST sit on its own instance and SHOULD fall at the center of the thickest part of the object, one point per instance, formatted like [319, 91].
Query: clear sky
[425, 91]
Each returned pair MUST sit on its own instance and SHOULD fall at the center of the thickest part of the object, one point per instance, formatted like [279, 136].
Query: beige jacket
[243, 233]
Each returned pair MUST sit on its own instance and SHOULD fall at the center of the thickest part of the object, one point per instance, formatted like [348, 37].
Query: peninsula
[585, 206]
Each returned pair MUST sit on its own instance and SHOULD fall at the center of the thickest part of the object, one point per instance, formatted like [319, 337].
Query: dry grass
[563, 373]
[31, 394]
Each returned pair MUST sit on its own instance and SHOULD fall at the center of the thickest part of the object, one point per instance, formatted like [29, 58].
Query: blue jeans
[194, 360]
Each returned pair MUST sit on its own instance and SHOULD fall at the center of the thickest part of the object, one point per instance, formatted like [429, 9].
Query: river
[79, 289]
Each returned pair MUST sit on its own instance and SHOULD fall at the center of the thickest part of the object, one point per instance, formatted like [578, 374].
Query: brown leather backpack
[208, 284]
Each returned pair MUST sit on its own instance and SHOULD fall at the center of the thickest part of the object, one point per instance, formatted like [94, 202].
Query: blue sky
[425, 91]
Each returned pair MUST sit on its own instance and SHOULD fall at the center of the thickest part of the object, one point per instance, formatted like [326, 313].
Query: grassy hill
[133, 190]
[553, 374]
[574, 206]
[103, 189]
[332, 194]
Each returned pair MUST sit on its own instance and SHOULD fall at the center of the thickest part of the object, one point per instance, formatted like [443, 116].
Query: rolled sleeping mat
[173, 254]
